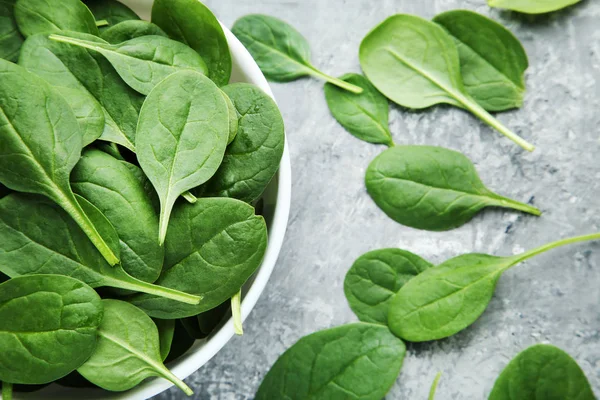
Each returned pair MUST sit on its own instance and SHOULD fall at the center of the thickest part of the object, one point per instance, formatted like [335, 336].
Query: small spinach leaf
[492, 60]
[144, 61]
[532, 6]
[280, 51]
[166, 330]
[111, 11]
[119, 194]
[253, 157]
[431, 188]
[181, 137]
[414, 63]
[375, 277]
[354, 361]
[128, 30]
[364, 115]
[43, 345]
[10, 37]
[45, 16]
[212, 248]
[128, 350]
[445, 299]
[192, 23]
[542, 372]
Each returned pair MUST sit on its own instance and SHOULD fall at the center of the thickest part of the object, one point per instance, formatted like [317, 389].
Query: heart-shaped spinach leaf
[46, 16]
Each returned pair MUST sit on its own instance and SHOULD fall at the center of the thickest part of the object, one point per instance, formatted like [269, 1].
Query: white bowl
[276, 210]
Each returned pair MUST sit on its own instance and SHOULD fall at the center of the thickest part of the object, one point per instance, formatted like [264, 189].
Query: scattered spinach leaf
[364, 115]
[252, 159]
[128, 30]
[354, 361]
[166, 330]
[128, 350]
[144, 61]
[532, 6]
[445, 299]
[38, 237]
[112, 11]
[233, 118]
[192, 23]
[375, 277]
[10, 37]
[431, 188]
[280, 51]
[414, 63]
[46, 16]
[212, 248]
[492, 60]
[181, 137]
[434, 386]
[42, 346]
[236, 313]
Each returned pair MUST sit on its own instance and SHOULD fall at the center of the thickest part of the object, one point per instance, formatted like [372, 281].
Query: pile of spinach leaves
[129, 173]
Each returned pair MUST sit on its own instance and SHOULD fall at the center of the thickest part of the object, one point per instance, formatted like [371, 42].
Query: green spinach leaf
[41, 346]
[41, 143]
[431, 188]
[375, 277]
[145, 61]
[364, 115]
[212, 248]
[414, 63]
[181, 137]
[111, 11]
[119, 194]
[253, 157]
[445, 299]
[192, 23]
[280, 51]
[354, 361]
[38, 237]
[492, 60]
[45, 16]
[166, 331]
[128, 350]
[10, 37]
[532, 6]
[542, 372]
[128, 30]
[233, 118]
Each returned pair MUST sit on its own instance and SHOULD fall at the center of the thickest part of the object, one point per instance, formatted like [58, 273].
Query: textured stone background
[553, 298]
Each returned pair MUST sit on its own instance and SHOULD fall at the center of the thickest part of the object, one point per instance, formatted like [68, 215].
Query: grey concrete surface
[553, 298]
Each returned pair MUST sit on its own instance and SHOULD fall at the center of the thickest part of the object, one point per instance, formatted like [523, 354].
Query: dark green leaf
[375, 277]
[192, 23]
[10, 37]
[181, 343]
[492, 60]
[355, 361]
[56, 337]
[212, 248]
[46, 16]
[415, 63]
[128, 350]
[253, 157]
[542, 372]
[166, 331]
[128, 30]
[431, 188]
[532, 6]
[181, 137]
[111, 11]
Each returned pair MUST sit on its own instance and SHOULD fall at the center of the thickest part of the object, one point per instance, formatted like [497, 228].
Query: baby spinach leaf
[128, 30]
[144, 61]
[43, 345]
[414, 63]
[112, 11]
[41, 143]
[354, 361]
[364, 115]
[38, 237]
[542, 372]
[492, 60]
[166, 330]
[434, 386]
[212, 248]
[532, 6]
[375, 277]
[10, 37]
[181, 137]
[119, 194]
[431, 188]
[192, 23]
[253, 157]
[45, 16]
[233, 118]
[280, 51]
[128, 350]
[445, 299]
